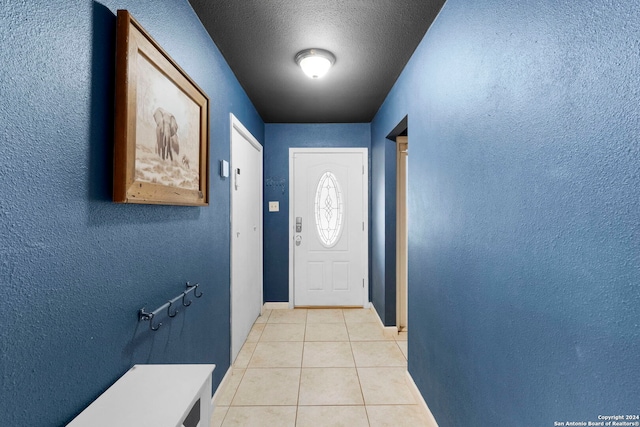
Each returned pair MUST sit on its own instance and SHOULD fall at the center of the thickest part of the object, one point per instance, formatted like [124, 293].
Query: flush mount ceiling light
[315, 62]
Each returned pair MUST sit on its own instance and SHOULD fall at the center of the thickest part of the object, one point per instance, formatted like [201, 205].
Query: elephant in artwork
[166, 134]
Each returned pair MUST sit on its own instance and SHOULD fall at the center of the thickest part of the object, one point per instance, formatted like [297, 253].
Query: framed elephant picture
[161, 151]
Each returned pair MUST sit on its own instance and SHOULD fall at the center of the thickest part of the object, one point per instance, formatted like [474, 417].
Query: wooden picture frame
[161, 150]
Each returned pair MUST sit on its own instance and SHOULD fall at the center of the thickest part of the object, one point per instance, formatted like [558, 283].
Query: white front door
[246, 233]
[329, 226]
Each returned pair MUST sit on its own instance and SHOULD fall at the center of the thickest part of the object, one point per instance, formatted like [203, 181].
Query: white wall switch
[274, 206]
[224, 169]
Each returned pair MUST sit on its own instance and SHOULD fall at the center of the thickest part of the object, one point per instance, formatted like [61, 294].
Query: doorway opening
[400, 135]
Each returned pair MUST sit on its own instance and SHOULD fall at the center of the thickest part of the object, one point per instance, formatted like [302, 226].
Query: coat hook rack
[144, 315]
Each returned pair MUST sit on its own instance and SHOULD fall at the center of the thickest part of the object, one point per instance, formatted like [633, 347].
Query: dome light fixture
[315, 62]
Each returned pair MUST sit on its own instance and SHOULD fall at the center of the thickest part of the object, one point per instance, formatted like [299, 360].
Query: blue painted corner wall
[524, 210]
[278, 139]
[75, 267]
[383, 224]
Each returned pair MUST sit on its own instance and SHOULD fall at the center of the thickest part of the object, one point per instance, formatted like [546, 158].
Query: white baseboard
[431, 421]
[286, 305]
[276, 305]
[391, 331]
[388, 331]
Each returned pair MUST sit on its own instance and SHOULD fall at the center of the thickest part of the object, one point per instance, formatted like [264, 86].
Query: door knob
[298, 240]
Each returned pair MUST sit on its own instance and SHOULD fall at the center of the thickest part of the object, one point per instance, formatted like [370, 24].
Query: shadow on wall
[102, 103]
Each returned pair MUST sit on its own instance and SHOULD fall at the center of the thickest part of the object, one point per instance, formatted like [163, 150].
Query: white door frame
[365, 197]
[402, 284]
[238, 126]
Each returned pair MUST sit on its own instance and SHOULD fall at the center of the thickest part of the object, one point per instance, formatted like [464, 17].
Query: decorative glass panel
[329, 209]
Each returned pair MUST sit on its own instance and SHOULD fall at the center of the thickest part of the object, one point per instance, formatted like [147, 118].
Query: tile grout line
[304, 336]
[355, 364]
[248, 363]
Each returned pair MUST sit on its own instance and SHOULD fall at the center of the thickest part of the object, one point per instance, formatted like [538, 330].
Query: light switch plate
[224, 169]
[274, 206]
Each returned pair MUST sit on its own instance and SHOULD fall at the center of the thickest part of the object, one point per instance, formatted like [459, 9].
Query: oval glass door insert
[329, 209]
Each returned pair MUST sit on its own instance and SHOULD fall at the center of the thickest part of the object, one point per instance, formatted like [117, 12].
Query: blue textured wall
[74, 267]
[377, 278]
[524, 210]
[383, 223]
[278, 139]
[388, 315]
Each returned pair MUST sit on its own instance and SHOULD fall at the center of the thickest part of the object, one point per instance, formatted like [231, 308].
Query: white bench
[154, 396]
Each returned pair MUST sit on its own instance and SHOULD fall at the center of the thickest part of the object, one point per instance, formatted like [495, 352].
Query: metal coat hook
[145, 315]
[195, 291]
[151, 325]
[169, 310]
[184, 295]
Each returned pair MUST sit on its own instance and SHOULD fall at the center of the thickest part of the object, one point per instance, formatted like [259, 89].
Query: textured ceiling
[371, 39]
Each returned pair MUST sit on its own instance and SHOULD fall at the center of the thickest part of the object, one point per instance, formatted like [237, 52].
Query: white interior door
[329, 226]
[246, 233]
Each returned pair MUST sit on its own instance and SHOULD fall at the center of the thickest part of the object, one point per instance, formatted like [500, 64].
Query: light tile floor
[319, 367]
